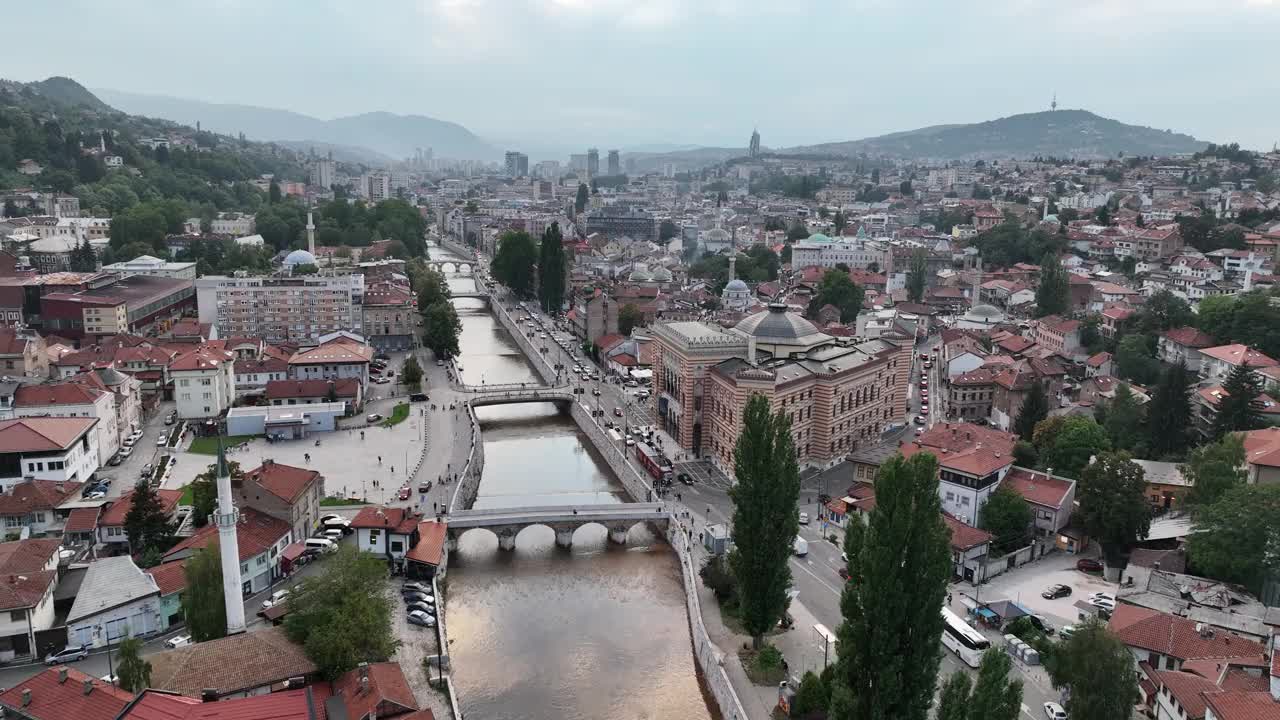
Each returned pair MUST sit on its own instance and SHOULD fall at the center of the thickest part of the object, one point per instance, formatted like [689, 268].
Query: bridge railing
[512, 387]
[626, 510]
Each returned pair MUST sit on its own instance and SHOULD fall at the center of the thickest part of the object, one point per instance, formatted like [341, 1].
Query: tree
[1213, 470]
[1006, 516]
[551, 269]
[1103, 215]
[1053, 295]
[798, 231]
[1134, 361]
[811, 696]
[1024, 454]
[1235, 411]
[432, 288]
[203, 604]
[515, 261]
[146, 523]
[440, 330]
[1169, 414]
[1090, 337]
[905, 188]
[995, 696]
[629, 316]
[836, 288]
[1124, 419]
[917, 276]
[953, 704]
[1113, 505]
[764, 516]
[899, 564]
[411, 373]
[1080, 439]
[273, 193]
[838, 222]
[580, 202]
[1236, 538]
[342, 617]
[667, 230]
[1163, 311]
[134, 673]
[204, 492]
[1035, 407]
[1100, 672]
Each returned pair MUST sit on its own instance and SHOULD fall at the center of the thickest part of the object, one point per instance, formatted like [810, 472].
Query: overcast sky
[627, 72]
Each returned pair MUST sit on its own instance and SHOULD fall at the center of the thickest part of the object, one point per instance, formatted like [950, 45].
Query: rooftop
[56, 698]
[108, 583]
[42, 434]
[286, 482]
[231, 664]
[255, 534]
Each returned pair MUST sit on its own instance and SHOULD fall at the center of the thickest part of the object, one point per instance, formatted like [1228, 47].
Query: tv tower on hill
[1054, 105]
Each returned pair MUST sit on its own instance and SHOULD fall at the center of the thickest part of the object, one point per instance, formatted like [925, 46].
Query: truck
[800, 547]
[656, 465]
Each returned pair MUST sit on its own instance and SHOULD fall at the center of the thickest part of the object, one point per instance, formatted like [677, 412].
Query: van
[800, 547]
[321, 545]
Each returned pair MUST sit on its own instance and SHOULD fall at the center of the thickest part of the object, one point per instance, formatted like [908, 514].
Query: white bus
[963, 640]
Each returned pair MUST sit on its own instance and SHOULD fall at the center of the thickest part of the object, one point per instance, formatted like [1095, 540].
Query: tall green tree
[838, 222]
[1214, 469]
[203, 606]
[440, 330]
[431, 287]
[1163, 311]
[1053, 295]
[953, 703]
[899, 564]
[995, 696]
[765, 519]
[273, 192]
[411, 373]
[1100, 672]
[629, 316]
[1007, 516]
[1124, 419]
[1079, 439]
[838, 289]
[342, 616]
[1113, 505]
[204, 492]
[1236, 411]
[515, 262]
[552, 266]
[580, 202]
[1035, 407]
[1169, 414]
[146, 524]
[134, 673]
[917, 276]
[1237, 538]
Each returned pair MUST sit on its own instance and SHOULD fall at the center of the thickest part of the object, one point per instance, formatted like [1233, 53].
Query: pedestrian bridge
[507, 523]
[485, 395]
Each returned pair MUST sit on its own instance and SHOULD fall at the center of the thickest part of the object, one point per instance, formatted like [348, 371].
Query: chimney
[26, 697]
[209, 695]
[62, 674]
[88, 685]
[364, 677]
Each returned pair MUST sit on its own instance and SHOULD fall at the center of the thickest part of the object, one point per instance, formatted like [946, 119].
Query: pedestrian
[948, 598]
[379, 459]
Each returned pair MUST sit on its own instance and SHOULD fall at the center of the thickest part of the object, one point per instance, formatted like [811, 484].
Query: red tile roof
[1096, 361]
[430, 547]
[286, 482]
[1239, 354]
[1176, 636]
[11, 343]
[285, 705]
[36, 495]
[1038, 488]
[1262, 447]
[264, 365]
[255, 533]
[399, 520]
[83, 519]
[42, 434]
[114, 515]
[25, 590]
[338, 350]
[388, 691]
[1186, 688]
[231, 664]
[968, 448]
[201, 358]
[24, 556]
[52, 699]
[169, 576]
[963, 536]
[1243, 705]
[29, 396]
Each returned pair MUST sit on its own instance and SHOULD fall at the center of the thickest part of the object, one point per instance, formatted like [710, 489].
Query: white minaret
[311, 235]
[225, 518]
[733, 261]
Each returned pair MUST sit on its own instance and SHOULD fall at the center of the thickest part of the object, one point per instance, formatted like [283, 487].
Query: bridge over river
[507, 523]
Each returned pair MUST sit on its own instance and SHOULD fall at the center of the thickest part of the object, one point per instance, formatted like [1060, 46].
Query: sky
[625, 73]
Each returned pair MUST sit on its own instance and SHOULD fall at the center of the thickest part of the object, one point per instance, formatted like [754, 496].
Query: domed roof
[776, 325]
[640, 275]
[985, 311]
[662, 275]
[818, 237]
[716, 233]
[300, 257]
[736, 285]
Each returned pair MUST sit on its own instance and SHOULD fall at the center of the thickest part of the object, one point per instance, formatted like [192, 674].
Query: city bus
[964, 641]
[653, 463]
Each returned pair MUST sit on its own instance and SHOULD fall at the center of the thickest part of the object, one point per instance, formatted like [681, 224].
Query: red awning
[293, 551]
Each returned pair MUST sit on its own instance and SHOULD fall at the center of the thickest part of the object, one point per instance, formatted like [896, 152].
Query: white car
[163, 440]
[177, 641]
[1101, 596]
[276, 598]
[125, 452]
[1103, 604]
[804, 518]
[70, 653]
[1054, 711]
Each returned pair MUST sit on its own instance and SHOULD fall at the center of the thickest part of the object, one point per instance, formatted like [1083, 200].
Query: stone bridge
[507, 523]
[511, 394]
[452, 267]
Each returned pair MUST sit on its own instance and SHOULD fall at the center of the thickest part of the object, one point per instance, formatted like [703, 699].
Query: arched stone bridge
[507, 523]
[452, 267]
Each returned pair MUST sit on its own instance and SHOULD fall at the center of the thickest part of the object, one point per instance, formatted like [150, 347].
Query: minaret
[229, 548]
[733, 260]
[311, 235]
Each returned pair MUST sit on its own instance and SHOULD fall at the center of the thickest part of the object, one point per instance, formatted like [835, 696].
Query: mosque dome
[662, 275]
[777, 326]
[300, 257]
[818, 238]
[640, 275]
[985, 311]
[736, 285]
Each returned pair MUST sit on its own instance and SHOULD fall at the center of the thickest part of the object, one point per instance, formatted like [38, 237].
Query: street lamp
[111, 671]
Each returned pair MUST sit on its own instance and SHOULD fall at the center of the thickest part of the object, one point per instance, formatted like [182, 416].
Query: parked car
[334, 535]
[125, 452]
[617, 412]
[163, 440]
[417, 617]
[1101, 596]
[1088, 565]
[146, 470]
[804, 518]
[115, 459]
[1067, 631]
[1054, 711]
[416, 587]
[919, 420]
[1103, 604]
[276, 598]
[177, 641]
[413, 597]
[686, 478]
[70, 653]
[373, 417]
[331, 517]
[1053, 592]
[421, 607]
[1040, 624]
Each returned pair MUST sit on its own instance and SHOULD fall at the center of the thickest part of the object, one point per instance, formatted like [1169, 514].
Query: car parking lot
[1025, 585]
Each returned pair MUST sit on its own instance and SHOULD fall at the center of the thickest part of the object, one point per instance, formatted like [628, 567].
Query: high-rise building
[323, 173]
[578, 162]
[615, 163]
[593, 162]
[517, 164]
[375, 186]
[754, 148]
[281, 309]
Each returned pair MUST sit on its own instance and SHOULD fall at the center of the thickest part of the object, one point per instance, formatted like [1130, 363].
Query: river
[598, 631]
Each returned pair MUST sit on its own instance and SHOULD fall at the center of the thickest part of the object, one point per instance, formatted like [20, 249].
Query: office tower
[593, 162]
[615, 164]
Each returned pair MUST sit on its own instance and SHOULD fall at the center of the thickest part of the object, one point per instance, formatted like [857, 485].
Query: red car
[1088, 565]
[405, 492]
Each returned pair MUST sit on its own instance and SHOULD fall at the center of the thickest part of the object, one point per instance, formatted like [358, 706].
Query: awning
[293, 551]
